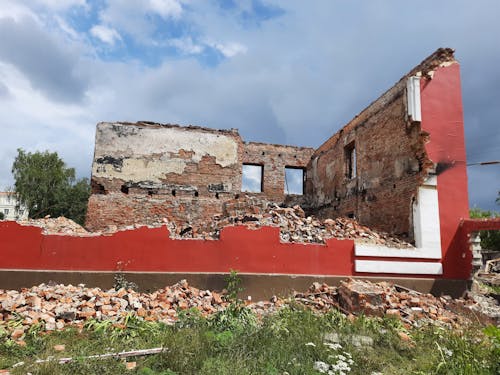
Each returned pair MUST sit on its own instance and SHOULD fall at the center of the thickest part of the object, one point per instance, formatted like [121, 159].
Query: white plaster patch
[136, 143]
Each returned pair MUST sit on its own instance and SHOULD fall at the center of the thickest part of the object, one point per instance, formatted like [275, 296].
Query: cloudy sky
[289, 72]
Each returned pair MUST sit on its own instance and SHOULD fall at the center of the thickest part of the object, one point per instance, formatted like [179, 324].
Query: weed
[233, 286]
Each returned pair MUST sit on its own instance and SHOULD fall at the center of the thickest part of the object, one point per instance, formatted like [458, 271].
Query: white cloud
[166, 8]
[186, 45]
[106, 34]
[60, 5]
[16, 11]
[230, 49]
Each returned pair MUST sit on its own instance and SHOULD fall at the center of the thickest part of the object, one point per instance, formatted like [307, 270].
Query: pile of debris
[295, 226]
[56, 306]
[59, 225]
[52, 307]
[412, 307]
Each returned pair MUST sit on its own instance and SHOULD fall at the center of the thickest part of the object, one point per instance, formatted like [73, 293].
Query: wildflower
[333, 346]
[321, 366]
[311, 344]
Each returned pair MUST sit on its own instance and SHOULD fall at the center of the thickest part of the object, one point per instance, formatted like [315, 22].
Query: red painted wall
[151, 250]
[442, 118]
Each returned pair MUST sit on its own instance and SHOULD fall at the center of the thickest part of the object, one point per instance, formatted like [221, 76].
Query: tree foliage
[46, 186]
[490, 239]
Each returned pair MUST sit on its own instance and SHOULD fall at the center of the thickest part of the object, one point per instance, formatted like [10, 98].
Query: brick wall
[274, 159]
[143, 173]
[390, 162]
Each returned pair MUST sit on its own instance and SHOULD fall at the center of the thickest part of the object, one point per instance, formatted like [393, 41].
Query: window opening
[294, 180]
[252, 178]
[350, 160]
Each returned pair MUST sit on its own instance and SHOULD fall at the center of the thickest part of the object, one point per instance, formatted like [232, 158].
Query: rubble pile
[296, 227]
[59, 225]
[387, 299]
[59, 305]
[53, 307]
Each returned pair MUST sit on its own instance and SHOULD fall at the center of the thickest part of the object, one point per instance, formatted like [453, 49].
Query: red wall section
[151, 250]
[442, 118]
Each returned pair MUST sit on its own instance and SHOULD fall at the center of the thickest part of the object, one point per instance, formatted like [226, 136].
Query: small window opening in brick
[394, 186]
[263, 153]
[98, 188]
[350, 160]
[294, 180]
[173, 193]
[253, 177]
[151, 192]
[351, 215]
[236, 196]
[124, 189]
[217, 195]
[195, 193]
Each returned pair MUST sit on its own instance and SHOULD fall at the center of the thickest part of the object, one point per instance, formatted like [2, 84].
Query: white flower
[333, 346]
[321, 366]
[310, 344]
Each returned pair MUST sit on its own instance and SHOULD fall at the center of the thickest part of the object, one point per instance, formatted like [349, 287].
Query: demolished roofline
[232, 131]
[151, 124]
[278, 145]
[429, 64]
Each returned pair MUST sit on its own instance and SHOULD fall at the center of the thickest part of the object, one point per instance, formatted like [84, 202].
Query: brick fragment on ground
[57, 306]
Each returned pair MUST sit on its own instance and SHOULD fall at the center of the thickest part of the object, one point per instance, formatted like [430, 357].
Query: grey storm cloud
[4, 91]
[49, 66]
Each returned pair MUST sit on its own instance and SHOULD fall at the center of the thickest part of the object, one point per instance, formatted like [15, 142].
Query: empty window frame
[350, 160]
[253, 178]
[294, 180]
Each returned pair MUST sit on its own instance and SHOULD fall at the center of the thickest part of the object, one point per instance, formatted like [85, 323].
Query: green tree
[46, 186]
[490, 239]
[2, 216]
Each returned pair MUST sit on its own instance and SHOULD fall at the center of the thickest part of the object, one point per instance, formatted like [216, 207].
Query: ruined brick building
[376, 168]
[398, 166]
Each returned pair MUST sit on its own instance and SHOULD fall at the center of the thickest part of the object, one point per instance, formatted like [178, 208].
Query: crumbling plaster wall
[145, 172]
[166, 158]
[391, 161]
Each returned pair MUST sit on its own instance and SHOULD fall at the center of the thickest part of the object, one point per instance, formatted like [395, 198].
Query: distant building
[8, 206]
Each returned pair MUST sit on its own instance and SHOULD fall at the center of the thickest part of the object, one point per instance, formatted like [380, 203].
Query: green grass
[292, 341]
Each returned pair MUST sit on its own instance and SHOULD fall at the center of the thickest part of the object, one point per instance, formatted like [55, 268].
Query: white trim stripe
[366, 250]
[411, 268]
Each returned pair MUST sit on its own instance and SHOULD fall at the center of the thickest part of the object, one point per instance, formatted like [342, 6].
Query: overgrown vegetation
[294, 341]
[46, 186]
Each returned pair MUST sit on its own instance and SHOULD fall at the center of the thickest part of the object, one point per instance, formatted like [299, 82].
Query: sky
[287, 72]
